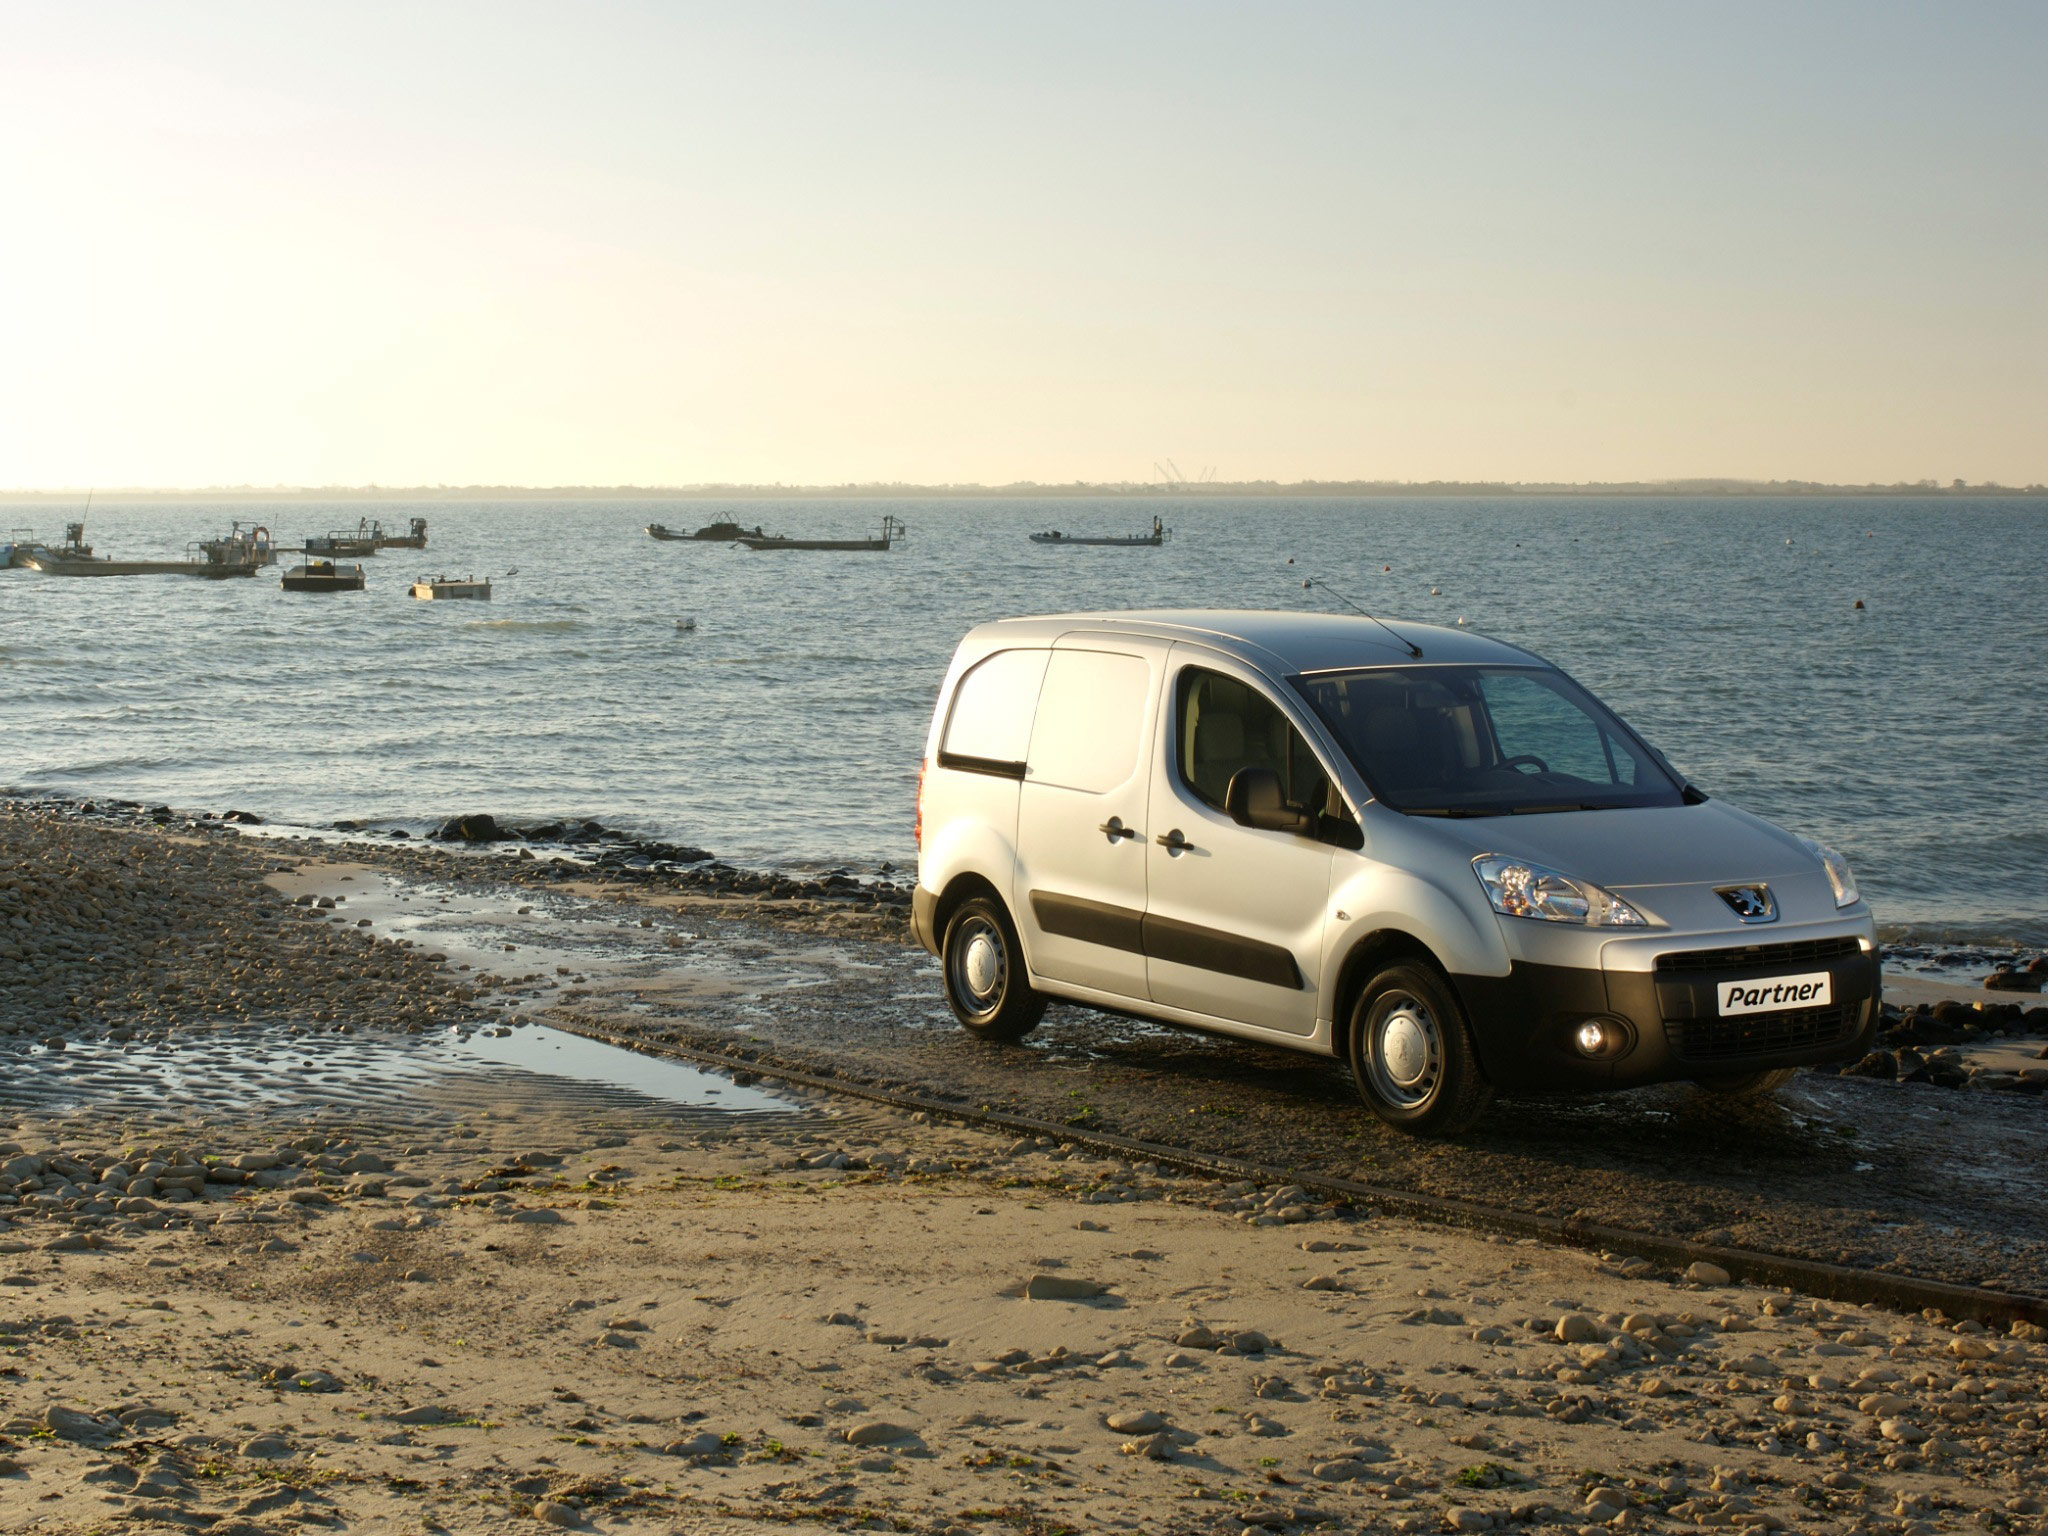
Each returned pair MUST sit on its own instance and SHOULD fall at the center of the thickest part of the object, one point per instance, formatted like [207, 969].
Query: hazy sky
[589, 243]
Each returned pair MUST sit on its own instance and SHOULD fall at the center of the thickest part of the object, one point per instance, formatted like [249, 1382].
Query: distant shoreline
[1703, 490]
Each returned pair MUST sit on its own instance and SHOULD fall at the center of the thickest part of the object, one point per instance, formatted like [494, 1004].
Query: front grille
[1763, 1034]
[1756, 956]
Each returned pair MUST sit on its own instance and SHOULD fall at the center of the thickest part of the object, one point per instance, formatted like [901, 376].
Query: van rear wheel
[984, 968]
[1411, 1053]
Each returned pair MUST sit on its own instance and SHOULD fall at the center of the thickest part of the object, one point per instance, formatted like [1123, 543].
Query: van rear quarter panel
[970, 827]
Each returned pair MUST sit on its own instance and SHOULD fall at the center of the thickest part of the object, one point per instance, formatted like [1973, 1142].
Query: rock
[1879, 1064]
[267, 1448]
[479, 828]
[1467, 1520]
[1250, 1342]
[1195, 1336]
[428, 1413]
[1322, 1283]
[1141, 1421]
[554, 1511]
[1577, 1328]
[1062, 1288]
[1346, 1470]
[1157, 1447]
[875, 1432]
[1703, 1273]
[2005, 979]
[541, 1216]
[697, 1446]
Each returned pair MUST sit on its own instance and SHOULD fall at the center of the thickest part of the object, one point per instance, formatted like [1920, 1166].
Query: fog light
[1592, 1038]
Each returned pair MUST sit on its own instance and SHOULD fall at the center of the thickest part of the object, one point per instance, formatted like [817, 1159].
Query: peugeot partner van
[1425, 852]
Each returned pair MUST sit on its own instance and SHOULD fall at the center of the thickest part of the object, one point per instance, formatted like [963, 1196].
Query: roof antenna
[1310, 581]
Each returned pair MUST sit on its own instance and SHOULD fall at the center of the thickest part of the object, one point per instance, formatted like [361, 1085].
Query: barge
[322, 576]
[892, 530]
[1159, 535]
[444, 589]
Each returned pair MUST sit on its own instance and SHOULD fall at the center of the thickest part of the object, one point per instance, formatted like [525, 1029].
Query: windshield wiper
[1456, 812]
[1537, 810]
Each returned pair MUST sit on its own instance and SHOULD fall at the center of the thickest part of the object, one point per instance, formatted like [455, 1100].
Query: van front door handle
[1114, 828]
[1173, 842]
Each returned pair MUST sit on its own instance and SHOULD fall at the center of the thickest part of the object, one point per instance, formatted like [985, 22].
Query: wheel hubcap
[1407, 1052]
[983, 966]
[978, 966]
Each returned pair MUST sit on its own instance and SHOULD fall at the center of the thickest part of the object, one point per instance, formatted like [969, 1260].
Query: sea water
[785, 728]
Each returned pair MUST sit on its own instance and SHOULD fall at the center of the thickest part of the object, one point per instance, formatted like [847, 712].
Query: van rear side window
[1091, 716]
[989, 729]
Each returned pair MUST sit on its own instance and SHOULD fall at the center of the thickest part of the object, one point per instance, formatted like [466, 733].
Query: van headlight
[1840, 876]
[1520, 889]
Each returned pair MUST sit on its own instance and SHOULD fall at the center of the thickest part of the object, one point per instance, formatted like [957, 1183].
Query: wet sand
[269, 1272]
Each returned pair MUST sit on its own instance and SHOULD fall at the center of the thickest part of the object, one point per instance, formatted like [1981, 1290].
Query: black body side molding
[1164, 938]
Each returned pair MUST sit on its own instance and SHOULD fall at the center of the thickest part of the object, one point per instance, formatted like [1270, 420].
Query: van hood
[1652, 846]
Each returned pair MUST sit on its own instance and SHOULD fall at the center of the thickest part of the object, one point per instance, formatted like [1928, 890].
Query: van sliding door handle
[1114, 828]
[1173, 842]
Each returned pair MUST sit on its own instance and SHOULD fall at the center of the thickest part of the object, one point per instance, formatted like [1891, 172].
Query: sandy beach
[302, 1226]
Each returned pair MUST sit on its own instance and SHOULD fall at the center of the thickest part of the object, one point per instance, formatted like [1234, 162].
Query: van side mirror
[1254, 800]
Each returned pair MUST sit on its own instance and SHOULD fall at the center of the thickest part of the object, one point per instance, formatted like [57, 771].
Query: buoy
[1858, 603]
[1290, 559]
[1386, 568]
[1461, 618]
[1436, 592]
[1788, 541]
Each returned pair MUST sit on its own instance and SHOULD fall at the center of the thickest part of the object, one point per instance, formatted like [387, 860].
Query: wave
[530, 626]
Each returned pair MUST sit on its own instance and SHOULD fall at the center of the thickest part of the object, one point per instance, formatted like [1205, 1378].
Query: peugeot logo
[1750, 903]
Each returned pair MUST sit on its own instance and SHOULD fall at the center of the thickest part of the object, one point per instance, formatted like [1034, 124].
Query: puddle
[380, 1079]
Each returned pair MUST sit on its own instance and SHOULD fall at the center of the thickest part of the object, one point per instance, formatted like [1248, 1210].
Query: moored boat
[351, 542]
[892, 530]
[415, 537]
[323, 576]
[722, 532]
[445, 589]
[1159, 535]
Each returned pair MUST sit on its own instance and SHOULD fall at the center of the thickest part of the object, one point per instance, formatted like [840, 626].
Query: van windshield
[1485, 741]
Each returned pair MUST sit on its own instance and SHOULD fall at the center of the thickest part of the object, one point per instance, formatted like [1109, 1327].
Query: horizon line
[1676, 486]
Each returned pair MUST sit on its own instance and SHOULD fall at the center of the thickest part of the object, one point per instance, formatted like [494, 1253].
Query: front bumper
[1666, 1017]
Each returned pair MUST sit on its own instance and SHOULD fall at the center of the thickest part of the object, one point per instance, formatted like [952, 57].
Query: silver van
[1428, 853]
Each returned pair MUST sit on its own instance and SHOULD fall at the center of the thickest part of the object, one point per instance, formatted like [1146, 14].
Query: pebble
[555, 1512]
[1141, 1421]
[1062, 1288]
[1704, 1273]
[1577, 1328]
[541, 1216]
[875, 1432]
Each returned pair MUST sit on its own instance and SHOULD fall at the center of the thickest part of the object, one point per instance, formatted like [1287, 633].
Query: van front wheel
[984, 969]
[1412, 1055]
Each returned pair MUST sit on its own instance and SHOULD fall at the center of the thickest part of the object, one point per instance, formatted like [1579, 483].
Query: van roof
[1279, 640]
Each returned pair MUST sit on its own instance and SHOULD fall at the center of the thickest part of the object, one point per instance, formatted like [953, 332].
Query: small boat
[444, 589]
[323, 576]
[235, 553]
[352, 542]
[74, 557]
[892, 530]
[1159, 535]
[687, 626]
[710, 533]
[414, 538]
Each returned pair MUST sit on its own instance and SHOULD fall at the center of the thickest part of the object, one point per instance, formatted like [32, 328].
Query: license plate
[1777, 994]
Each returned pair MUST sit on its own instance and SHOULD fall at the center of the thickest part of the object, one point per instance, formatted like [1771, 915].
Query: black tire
[1411, 1053]
[1750, 1085]
[984, 971]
